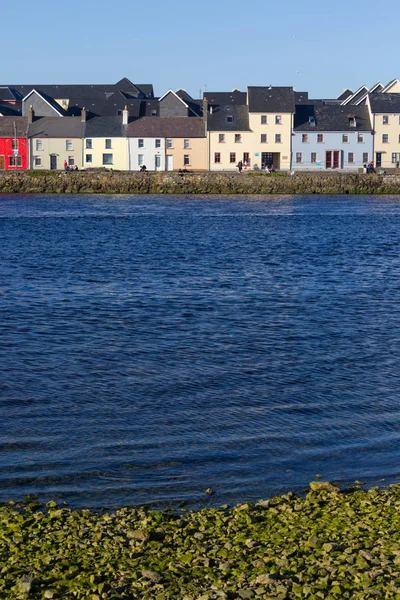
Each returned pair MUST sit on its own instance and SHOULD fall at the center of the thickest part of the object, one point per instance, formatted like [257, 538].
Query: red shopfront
[13, 154]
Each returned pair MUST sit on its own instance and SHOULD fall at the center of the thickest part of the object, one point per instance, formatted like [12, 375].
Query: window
[320, 138]
[298, 157]
[71, 161]
[263, 119]
[304, 138]
[153, 113]
[345, 138]
[399, 138]
[229, 119]
[217, 157]
[108, 144]
[221, 138]
[232, 157]
[246, 158]
[365, 157]
[158, 162]
[263, 138]
[140, 159]
[385, 120]
[158, 143]
[186, 143]
[396, 158]
[360, 138]
[140, 144]
[169, 143]
[38, 161]
[119, 112]
[15, 161]
[385, 138]
[313, 158]
[277, 138]
[88, 158]
[89, 144]
[107, 159]
[68, 145]
[39, 145]
[64, 103]
[238, 138]
[350, 158]
[14, 144]
[278, 119]
[186, 160]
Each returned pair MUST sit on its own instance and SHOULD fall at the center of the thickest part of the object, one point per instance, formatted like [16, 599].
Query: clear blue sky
[317, 47]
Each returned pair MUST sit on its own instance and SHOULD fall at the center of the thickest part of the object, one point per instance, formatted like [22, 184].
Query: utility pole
[15, 145]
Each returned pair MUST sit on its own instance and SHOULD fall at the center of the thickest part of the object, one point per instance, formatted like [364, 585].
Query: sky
[321, 48]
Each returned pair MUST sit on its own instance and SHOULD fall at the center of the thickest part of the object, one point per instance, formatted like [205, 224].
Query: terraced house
[13, 143]
[384, 109]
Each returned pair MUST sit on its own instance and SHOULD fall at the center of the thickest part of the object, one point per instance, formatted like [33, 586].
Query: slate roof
[10, 110]
[330, 117]
[195, 105]
[107, 127]
[236, 97]
[54, 127]
[217, 120]
[345, 94]
[7, 94]
[54, 105]
[301, 97]
[172, 127]
[7, 127]
[271, 99]
[385, 103]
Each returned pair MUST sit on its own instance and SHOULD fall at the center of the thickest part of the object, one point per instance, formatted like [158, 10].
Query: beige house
[167, 143]
[105, 143]
[54, 141]
[271, 119]
[384, 110]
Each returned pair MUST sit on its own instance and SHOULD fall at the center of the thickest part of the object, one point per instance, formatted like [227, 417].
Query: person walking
[65, 165]
[240, 166]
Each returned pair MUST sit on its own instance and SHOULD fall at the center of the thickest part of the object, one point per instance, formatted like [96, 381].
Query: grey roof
[195, 105]
[330, 117]
[173, 127]
[7, 127]
[236, 97]
[8, 94]
[104, 127]
[385, 103]
[345, 94]
[271, 99]
[218, 119]
[56, 127]
[301, 97]
[10, 110]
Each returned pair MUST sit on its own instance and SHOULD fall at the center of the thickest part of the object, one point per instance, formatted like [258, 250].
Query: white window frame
[71, 161]
[169, 144]
[186, 144]
[37, 161]
[108, 144]
[278, 138]
[385, 135]
[320, 138]
[238, 138]
[106, 162]
[360, 138]
[264, 120]
[345, 141]
[39, 145]
[278, 119]
[221, 138]
[140, 160]
[68, 145]
[263, 138]
[89, 144]
[91, 158]
[140, 143]
[186, 160]
[304, 138]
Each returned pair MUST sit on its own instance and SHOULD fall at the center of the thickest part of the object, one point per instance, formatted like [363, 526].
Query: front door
[170, 162]
[336, 157]
[378, 162]
[53, 163]
[328, 160]
[267, 159]
[157, 162]
[2, 166]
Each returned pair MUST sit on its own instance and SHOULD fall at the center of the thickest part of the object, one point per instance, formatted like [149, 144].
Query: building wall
[171, 106]
[118, 151]
[40, 107]
[395, 89]
[332, 141]
[271, 129]
[56, 147]
[197, 153]
[6, 151]
[392, 130]
[227, 147]
[149, 152]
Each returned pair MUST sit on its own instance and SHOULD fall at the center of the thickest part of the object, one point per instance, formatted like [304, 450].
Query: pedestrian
[365, 168]
[240, 166]
[65, 165]
[272, 169]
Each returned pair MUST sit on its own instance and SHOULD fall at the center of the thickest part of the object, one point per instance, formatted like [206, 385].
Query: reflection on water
[153, 347]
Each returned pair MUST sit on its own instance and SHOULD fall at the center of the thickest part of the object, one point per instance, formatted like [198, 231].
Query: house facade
[105, 143]
[54, 141]
[331, 137]
[384, 109]
[13, 143]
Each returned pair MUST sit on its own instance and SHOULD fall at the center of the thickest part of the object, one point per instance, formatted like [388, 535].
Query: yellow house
[54, 142]
[271, 119]
[105, 143]
[384, 110]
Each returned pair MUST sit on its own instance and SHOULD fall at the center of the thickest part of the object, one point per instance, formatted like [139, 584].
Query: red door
[328, 160]
[336, 157]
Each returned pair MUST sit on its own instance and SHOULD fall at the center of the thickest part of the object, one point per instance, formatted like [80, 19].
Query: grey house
[327, 136]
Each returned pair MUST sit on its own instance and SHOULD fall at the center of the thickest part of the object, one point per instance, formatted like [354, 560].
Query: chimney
[31, 114]
[83, 115]
[125, 116]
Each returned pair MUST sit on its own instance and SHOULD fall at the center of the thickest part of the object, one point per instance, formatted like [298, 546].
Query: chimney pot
[31, 114]
[83, 115]
[125, 116]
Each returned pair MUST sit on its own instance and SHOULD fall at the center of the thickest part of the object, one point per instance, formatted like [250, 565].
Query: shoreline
[327, 544]
[213, 183]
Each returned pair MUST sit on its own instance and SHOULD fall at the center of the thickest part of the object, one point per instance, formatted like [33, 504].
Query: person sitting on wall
[143, 169]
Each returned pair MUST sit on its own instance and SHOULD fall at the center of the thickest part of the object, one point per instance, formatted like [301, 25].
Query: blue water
[153, 347]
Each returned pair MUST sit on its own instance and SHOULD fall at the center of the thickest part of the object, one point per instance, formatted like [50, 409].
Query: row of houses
[123, 127]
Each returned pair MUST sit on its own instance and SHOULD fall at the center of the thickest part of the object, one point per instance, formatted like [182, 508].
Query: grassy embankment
[324, 545]
[34, 182]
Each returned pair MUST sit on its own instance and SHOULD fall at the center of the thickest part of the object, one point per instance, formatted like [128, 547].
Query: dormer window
[229, 119]
[352, 121]
[311, 121]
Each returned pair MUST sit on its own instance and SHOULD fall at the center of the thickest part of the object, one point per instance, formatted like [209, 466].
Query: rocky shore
[52, 182]
[325, 544]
